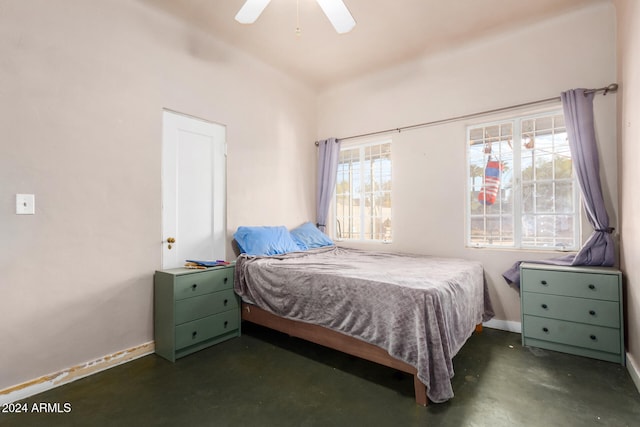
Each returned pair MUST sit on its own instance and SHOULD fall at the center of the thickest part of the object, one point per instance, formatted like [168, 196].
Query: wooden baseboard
[65, 376]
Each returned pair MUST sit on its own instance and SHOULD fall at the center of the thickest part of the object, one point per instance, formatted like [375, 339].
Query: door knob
[170, 240]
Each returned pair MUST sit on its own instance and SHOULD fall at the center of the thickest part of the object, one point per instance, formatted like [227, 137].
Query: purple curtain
[578, 116]
[328, 155]
[598, 250]
[512, 275]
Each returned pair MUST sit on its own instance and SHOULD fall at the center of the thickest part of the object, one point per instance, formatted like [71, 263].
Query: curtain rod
[613, 87]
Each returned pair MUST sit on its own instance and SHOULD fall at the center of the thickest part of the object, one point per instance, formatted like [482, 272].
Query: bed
[409, 312]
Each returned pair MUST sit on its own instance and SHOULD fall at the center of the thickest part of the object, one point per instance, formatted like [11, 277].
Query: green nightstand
[194, 309]
[575, 310]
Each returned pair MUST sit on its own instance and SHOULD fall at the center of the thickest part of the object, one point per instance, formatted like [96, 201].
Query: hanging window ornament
[492, 173]
[531, 142]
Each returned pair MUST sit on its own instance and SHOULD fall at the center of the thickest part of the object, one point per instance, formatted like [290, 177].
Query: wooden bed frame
[336, 340]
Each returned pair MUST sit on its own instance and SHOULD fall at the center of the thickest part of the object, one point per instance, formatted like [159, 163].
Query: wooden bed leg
[421, 391]
[479, 328]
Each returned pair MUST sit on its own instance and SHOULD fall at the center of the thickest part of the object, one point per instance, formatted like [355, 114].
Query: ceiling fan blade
[338, 14]
[251, 10]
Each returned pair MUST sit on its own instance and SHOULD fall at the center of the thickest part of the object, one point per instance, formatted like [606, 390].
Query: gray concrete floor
[265, 378]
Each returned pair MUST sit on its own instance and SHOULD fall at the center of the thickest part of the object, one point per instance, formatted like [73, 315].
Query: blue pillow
[307, 236]
[265, 240]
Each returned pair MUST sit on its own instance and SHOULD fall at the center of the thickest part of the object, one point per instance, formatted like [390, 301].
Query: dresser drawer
[583, 285]
[203, 282]
[591, 311]
[205, 305]
[574, 334]
[191, 333]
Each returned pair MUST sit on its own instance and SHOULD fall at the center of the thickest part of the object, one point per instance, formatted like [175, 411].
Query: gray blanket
[420, 309]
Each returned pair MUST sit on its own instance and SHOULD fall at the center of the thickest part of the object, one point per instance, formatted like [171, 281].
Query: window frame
[361, 146]
[517, 187]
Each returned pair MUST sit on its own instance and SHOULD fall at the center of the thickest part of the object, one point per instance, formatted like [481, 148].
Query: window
[522, 192]
[363, 192]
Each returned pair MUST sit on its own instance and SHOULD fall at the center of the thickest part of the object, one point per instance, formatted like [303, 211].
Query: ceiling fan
[336, 11]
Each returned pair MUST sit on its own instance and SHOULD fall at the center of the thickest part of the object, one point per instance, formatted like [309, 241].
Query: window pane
[363, 193]
[545, 226]
[494, 230]
[543, 125]
[563, 163]
[347, 175]
[563, 167]
[528, 126]
[528, 197]
[544, 198]
[490, 161]
[564, 197]
[535, 177]
[564, 232]
[377, 165]
[543, 165]
[548, 231]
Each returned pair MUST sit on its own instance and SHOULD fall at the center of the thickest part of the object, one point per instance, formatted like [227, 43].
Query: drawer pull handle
[226, 279]
[193, 287]
[592, 312]
[543, 282]
[592, 287]
[226, 302]
[593, 337]
[545, 329]
[545, 306]
[226, 322]
[193, 334]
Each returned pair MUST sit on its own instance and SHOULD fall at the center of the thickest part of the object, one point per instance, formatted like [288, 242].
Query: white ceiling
[387, 32]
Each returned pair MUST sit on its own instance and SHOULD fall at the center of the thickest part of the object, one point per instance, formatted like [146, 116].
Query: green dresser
[194, 309]
[575, 310]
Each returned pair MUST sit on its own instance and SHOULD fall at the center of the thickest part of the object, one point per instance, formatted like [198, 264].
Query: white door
[193, 190]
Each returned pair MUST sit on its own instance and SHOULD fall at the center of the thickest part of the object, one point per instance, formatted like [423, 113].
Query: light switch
[25, 204]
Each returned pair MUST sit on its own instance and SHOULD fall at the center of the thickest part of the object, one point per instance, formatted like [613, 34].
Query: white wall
[82, 88]
[429, 170]
[628, 13]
